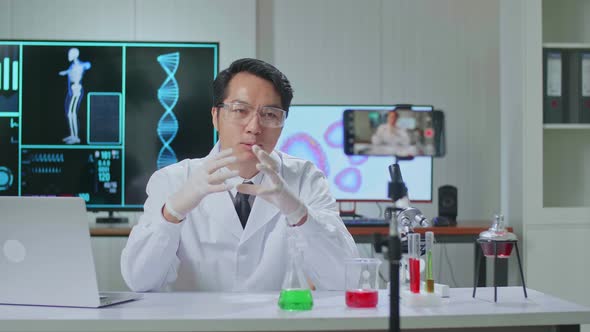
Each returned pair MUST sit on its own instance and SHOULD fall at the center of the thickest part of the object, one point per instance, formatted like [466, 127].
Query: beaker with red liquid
[362, 298]
[362, 282]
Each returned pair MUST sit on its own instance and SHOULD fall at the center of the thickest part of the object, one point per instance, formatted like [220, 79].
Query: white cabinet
[554, 160]
[566, 145]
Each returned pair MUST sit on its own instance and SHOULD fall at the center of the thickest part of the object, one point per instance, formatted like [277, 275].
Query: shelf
[567, 126]
[566, 175]
[566, 45]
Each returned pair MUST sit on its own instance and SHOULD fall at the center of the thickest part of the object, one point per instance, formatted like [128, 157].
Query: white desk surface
[259, 312]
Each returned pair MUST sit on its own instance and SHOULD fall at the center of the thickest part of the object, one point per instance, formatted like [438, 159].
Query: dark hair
[258, 68]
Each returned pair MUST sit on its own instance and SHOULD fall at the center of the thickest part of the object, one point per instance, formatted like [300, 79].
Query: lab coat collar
[221, 205]
[262, 211]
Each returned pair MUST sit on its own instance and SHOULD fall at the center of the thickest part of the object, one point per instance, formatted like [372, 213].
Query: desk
[364, 234]
[259, 312]
[454, 234]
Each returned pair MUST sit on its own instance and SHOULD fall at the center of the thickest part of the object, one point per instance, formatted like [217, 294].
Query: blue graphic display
[9, 78]
[168, 97]
[6, 178]
[133, 119]
[9, 74]
[104, 118]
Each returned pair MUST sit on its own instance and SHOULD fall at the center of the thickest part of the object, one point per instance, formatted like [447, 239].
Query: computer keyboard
[365, 222]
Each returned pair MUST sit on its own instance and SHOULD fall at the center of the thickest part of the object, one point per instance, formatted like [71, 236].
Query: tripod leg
[495, 271]
[520, 268]
[476, 271]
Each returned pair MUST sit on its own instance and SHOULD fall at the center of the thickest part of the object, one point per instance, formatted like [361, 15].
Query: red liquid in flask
[414, 275]
[504, 249]
[362, 298]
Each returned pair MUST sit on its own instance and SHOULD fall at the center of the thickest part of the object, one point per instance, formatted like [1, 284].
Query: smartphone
[402, 132]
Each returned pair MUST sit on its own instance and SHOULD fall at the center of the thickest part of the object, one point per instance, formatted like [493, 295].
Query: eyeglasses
[241, 113]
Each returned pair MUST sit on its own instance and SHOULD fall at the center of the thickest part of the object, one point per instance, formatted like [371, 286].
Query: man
[391, 139]
[196, 234]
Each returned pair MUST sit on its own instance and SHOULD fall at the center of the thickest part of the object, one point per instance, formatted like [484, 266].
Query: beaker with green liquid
[295, 293]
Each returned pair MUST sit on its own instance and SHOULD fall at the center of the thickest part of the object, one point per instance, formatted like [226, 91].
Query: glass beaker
[362, 277]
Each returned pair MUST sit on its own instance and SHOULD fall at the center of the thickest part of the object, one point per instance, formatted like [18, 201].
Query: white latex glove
[275, 191]
[202, 181]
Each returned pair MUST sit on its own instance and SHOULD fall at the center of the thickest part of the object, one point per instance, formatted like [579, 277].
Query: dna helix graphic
[168, 97]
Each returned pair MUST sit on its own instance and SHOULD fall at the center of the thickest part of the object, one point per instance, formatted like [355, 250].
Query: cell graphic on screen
[168, 97]
[357, 160]
[334, 135]
[75, 93]
[349, 180]
[304, 146]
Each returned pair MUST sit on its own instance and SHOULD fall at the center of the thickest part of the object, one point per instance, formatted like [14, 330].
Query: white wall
[511, 124]
[441, 52]
[444, 53]
[231, 23]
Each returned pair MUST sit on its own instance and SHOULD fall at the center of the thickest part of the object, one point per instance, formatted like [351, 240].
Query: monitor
[315, 133]
[96, 119]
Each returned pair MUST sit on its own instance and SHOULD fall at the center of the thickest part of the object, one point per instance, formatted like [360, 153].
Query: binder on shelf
[572, 84]
[553, 87]
[584, 84]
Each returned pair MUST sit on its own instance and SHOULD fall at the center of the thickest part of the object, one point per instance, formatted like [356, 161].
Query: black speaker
[447, 205]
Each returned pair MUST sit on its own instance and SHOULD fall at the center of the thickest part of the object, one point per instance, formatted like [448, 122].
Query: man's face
[391, 118]
[253, 90]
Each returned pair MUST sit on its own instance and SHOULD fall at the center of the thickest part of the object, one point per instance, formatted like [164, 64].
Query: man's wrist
[170, 215]
[301, 222]
[297, 217]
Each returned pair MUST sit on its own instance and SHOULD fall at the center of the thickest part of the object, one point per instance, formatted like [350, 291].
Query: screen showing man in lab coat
[221, 223]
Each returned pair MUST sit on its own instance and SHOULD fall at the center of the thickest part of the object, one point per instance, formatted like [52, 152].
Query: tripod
[398, 192]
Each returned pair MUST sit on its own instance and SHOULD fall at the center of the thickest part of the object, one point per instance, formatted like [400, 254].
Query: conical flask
[295, 293]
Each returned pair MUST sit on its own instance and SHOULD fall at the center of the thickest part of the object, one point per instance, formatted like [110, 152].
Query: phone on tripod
[405, 131]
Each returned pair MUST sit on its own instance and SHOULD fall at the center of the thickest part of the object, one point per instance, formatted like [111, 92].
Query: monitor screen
[96, 119]
[315, 133]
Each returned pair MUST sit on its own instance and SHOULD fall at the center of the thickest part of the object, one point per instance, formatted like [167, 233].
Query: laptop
[46, 256]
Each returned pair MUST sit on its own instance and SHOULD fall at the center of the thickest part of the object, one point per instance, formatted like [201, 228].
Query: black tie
[242, 206]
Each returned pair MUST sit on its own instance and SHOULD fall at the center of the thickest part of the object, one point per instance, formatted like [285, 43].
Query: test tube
[429, 245]
[414, 261]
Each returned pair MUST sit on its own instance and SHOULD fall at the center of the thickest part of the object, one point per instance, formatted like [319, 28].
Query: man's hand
[275, 191]
[202, 181]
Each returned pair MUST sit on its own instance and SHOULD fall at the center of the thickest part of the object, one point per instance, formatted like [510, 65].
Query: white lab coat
[392, 141]
[210, 251]
[395, 136]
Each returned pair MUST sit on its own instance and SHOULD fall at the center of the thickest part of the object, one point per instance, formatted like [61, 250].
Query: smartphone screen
[398, 132]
